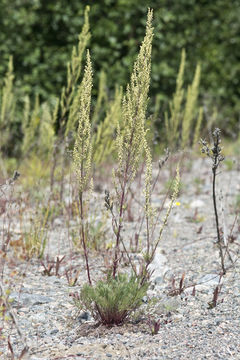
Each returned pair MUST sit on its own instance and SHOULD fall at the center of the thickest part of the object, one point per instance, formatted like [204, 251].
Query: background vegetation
[40, 35]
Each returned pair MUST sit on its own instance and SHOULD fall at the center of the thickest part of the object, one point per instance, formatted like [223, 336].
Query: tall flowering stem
[65, 106]
[131, 135]
[82, 153]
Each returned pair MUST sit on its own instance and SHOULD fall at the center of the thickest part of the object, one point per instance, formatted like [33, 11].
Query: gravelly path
[189, 329]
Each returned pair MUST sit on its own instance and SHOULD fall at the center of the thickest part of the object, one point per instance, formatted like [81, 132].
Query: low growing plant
[72, 276]
[177, 290]
[112, 301]
[52, 267]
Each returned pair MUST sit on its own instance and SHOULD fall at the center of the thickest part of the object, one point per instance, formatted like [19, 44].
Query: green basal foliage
[112, 301]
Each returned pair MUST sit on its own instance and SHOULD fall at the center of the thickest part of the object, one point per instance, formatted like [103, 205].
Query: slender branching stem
[219, 241]
[83, 237]
[118, 235]
[54, 164]
[115, 226]
[215, 154]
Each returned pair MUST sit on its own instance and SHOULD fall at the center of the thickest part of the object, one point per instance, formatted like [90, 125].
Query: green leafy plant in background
[30, 126]
[191, 100]
[97, 232]
[104, 136]
[180, 124]
[63, 106]
[209, 31]
[102, 99]
[38, 129]
[7, 111]
[46, 137]
[35, 240]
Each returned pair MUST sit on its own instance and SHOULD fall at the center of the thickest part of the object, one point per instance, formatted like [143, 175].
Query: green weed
[112, 301]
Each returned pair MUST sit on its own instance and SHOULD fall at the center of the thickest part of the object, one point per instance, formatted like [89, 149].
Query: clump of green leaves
[112, 301]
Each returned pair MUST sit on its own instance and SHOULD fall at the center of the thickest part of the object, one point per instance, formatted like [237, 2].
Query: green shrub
[112, 301]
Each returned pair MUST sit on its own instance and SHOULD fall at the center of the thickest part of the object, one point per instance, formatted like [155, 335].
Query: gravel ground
[189, 327]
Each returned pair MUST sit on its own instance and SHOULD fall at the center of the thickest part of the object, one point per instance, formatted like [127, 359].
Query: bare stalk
[214, 169]
[215, 154]
[83, 236]
[54, 164]
[121, 211]
[109, 206]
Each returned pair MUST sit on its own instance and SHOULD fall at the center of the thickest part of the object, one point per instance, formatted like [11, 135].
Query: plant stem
[115, 262]
[54, 164]
[214, 169]
[83, 237]
[64, 164]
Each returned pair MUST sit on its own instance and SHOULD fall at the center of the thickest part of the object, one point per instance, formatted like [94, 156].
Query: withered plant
[214, 152]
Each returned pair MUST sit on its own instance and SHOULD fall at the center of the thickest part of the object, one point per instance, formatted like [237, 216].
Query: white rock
[197, 203]
[57, 222]
[159, 267]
